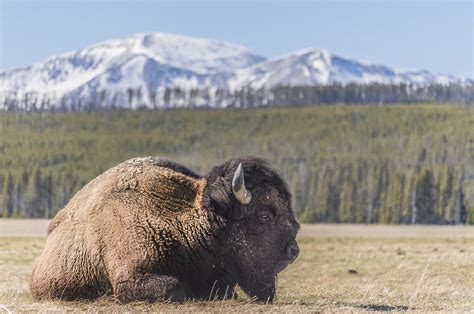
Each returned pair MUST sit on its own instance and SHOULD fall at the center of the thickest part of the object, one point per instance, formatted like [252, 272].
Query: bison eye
[265, 216]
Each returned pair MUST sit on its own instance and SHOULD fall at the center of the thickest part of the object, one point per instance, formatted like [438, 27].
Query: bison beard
[150, 229]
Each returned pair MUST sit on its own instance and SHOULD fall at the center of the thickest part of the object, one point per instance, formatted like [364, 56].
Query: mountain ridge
[149, 62]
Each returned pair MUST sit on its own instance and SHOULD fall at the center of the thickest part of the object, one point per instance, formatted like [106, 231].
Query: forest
[280, 96]
[389, 164]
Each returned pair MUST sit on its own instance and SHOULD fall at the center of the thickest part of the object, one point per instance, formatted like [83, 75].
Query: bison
[151, 230]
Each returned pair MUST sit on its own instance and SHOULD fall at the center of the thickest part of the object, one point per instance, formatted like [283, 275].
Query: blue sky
[434, 35]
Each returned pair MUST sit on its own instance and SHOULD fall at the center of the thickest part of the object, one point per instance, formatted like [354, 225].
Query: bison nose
[292, 250]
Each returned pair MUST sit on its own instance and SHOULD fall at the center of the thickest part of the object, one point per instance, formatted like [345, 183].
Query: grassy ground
[337, 273]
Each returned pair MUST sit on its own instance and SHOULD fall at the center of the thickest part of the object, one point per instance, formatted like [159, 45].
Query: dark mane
[257, 171]
[166, 163]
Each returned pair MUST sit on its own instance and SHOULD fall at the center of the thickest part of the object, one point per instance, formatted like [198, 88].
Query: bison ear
[221, 200]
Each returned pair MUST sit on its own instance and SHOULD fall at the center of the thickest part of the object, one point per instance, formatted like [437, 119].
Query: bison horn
[238, 186]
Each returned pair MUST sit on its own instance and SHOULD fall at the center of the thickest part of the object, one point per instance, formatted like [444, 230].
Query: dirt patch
[38, 227]
[23, 227]
[385, 231]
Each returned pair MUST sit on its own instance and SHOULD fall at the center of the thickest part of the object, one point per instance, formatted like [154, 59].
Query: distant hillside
[146, 70]
[344, 164]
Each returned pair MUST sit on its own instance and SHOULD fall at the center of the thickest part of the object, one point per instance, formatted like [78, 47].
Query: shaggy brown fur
[150, 229]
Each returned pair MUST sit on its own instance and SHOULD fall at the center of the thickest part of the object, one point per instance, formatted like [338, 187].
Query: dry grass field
[340, 268]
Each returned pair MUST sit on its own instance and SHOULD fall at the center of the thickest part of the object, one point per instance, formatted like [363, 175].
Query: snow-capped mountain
[320, 67]
[145, 59]
[143, 65]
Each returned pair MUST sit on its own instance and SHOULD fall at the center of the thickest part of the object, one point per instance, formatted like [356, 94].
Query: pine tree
[34, 195]
[8, 198]
[425, 201]
[48, 196]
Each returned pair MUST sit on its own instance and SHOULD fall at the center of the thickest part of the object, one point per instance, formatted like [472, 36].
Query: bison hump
[166, 188]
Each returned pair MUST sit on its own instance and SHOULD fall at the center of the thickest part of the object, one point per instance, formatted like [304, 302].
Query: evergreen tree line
[391, 164]
[282, 96]
[358, 193]
[354, 193]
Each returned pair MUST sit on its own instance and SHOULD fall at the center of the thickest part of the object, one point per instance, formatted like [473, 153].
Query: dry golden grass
[331, 274]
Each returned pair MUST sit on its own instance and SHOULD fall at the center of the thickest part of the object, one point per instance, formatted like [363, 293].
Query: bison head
[260, 233]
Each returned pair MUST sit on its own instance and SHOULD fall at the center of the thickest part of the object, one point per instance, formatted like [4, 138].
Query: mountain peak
[61, 74]
[311, 51]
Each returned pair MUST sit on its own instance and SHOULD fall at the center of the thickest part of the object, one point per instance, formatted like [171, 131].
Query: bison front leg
[150, 288]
